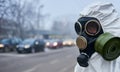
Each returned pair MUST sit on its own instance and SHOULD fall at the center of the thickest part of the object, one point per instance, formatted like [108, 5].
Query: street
[58, 60]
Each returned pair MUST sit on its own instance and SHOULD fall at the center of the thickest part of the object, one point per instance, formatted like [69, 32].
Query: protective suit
[109, 20]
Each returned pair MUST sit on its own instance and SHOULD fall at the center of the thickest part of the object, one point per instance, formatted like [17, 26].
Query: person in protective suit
[98, 39]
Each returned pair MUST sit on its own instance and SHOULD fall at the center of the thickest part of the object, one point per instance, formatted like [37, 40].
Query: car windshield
[28, 41]
[5, 41]
[52, 40]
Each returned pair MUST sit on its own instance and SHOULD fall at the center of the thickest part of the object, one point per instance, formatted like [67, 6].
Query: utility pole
[40, 24]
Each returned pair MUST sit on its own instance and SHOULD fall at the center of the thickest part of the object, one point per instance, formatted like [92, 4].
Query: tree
[64, 26]
[27, 15]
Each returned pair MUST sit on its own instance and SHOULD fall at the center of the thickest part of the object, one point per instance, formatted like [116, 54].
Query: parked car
[31, 46]
[9, 44]
[53, 43]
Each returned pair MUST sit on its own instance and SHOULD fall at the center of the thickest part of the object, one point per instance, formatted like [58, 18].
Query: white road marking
[63, 70]
[54, 61]
[68, 56]
[30, 70]
[33, 68]
[13, 55]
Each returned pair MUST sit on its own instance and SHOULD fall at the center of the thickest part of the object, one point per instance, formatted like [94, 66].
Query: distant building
[8, 28]
[44, 34]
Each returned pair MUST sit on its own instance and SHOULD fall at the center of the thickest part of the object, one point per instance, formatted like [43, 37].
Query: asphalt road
[59, 60]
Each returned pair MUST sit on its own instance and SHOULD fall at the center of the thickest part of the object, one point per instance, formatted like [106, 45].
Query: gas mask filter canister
[108, 46]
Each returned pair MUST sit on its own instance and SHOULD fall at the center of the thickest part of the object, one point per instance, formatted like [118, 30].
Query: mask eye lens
[78, 28]
[92, 28]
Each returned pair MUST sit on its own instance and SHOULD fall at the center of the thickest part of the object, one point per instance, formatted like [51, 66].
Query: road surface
[59, 60]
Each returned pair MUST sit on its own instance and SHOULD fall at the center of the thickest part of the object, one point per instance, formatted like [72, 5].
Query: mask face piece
[88, 30]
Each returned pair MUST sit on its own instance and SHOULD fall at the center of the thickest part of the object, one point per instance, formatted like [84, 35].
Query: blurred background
[39, 36]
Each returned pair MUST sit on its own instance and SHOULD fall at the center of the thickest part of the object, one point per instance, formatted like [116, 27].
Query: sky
[63, 7]
[57, 8]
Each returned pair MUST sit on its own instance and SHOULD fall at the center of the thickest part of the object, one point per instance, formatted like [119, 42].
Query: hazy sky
[63, 7]
[58, 8]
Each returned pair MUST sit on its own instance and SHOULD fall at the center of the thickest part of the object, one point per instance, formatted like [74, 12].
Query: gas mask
[91, 39]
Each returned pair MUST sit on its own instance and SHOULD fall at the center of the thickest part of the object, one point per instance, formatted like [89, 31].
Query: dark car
[5, 45]
[31, 46]
[9, 44]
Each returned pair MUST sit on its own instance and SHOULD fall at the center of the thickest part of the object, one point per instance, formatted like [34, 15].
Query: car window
[28, 41]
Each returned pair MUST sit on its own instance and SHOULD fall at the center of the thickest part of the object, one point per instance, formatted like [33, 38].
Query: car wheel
[33, 50]
[42, 49]
[6, 49]
[19, 52]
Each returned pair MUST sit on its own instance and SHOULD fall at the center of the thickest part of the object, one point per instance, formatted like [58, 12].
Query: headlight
[27, 46]
[1, 45]
[64, 43]
[17, 46]
[37, 43]
[47, 44]
[69, 43]
[55, 44]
